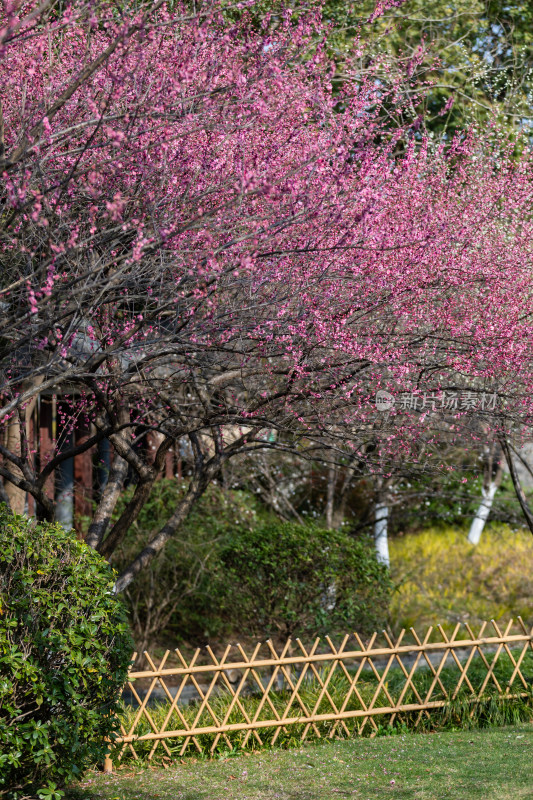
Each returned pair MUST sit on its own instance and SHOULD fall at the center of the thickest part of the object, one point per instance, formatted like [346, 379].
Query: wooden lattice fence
[322, 691]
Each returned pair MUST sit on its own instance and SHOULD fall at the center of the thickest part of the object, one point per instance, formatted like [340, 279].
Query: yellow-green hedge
[440, 577]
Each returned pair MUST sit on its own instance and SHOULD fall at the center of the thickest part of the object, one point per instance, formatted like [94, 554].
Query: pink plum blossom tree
[209, 247]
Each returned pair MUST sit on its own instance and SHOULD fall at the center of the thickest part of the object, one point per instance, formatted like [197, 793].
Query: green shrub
[235, 569]
[64, 654]
[176, 598]
[284, 578]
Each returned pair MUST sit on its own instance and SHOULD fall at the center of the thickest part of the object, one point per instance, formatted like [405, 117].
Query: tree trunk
[492, 476]
[381, 518]
[104, 465]
[16, 497]
[111, 489]
[520, 494]
[65, 482]
[65, 494]
[140, 496]
[156, 544]
[478, 523]
[332, 480]
[108, 500]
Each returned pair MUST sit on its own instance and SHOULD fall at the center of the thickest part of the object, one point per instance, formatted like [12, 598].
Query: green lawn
[490, 764]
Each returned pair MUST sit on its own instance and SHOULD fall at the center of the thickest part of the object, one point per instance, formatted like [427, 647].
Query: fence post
[108, 763]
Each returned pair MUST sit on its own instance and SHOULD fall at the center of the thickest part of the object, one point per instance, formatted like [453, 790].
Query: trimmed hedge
[65, 649]
[284, 578]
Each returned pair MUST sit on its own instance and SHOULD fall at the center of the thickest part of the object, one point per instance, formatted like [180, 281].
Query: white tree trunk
[381, 516]
[478, 523]
[65, 494]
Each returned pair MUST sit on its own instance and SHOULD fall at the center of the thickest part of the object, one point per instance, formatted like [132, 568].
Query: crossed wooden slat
[517, 664]
[381, 687]
[266, 693]
[174, 708]
[353, 686]
[143, 710]
[122, 728]
[295, 688]
[408, 675]
[204, 696]
[324, 684]
[235, 693]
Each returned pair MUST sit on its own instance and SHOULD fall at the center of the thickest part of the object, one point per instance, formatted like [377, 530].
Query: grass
[441, 578]
[493, 764]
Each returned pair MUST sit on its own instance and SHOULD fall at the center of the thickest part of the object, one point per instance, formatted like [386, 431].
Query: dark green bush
[235, 570]
[176, 597]
[283, 578]
[64, 655]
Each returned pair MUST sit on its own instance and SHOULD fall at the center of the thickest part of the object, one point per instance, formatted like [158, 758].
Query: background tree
[474, 58]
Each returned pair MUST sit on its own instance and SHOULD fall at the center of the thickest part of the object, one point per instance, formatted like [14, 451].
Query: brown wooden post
[46, 440]
[108, 764]
[33, 447]
[83, 480]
